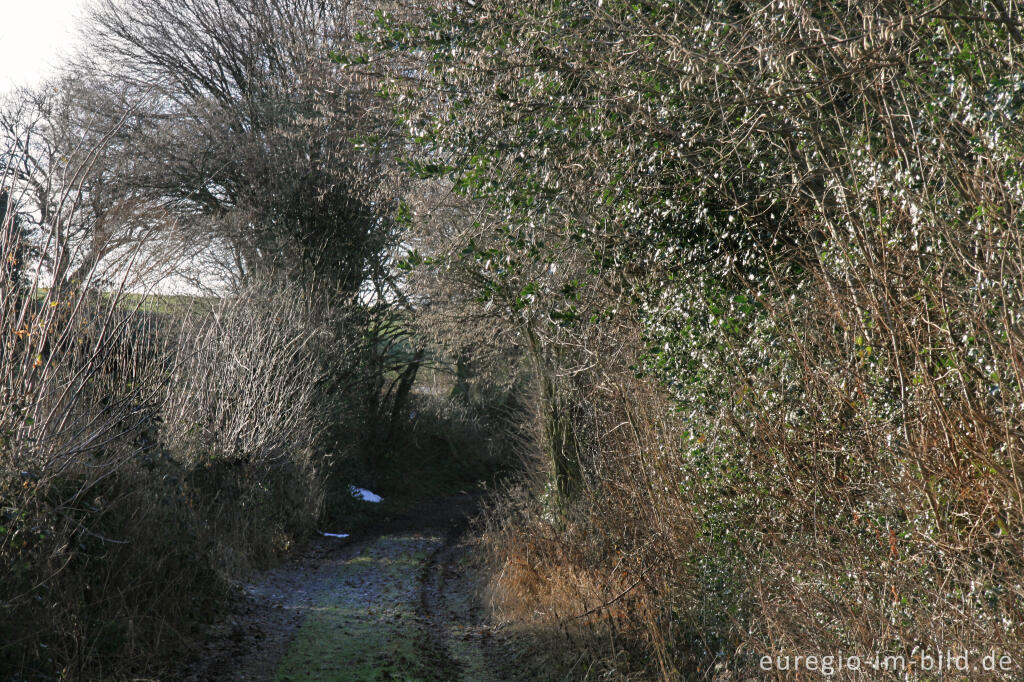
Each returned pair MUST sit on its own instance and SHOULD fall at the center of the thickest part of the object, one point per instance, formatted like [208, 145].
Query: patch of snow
[335, 535]
[364, 494]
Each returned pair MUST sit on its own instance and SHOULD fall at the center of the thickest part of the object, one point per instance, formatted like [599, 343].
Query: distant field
[153, 303]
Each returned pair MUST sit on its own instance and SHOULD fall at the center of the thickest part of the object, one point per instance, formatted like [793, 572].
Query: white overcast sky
[34, 35]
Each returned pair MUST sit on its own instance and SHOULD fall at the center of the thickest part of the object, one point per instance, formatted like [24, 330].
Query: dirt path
[395, 604]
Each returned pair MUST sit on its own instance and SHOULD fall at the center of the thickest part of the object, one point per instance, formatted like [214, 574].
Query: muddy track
[431, 605]
[396, 602]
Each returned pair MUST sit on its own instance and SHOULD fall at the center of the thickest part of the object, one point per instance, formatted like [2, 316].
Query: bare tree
[60, 143]
[252, 134]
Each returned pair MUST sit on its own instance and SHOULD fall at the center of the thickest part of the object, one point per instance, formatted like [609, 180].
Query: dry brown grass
[597, 579]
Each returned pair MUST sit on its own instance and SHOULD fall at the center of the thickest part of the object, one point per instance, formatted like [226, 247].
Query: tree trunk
[405, 384]
[560, 440]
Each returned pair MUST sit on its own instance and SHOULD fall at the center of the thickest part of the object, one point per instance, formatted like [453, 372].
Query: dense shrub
[96, 540]
[153, 452]
[812, 213]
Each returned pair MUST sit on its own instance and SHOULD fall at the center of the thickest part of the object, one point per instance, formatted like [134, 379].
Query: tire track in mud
[458, 629]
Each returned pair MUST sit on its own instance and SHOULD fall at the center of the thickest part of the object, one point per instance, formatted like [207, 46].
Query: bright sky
[34, 35]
